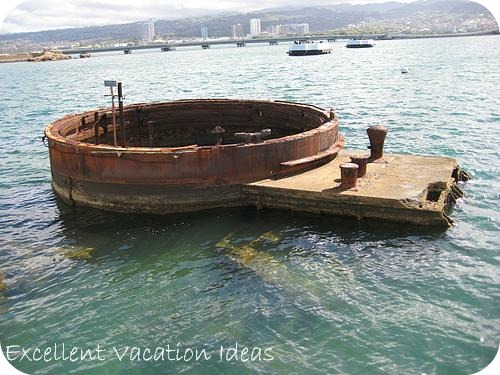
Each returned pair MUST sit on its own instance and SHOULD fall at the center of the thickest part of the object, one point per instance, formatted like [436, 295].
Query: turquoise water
[325, 295]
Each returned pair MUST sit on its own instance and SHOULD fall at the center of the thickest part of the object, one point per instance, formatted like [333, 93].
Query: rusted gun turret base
[403, 188]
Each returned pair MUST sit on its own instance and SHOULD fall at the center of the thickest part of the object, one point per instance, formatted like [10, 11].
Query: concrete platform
[403, 188]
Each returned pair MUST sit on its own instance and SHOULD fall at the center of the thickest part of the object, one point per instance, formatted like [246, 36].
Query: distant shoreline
[24, 57]
[47, 55]
[11, 58]
[452, 35]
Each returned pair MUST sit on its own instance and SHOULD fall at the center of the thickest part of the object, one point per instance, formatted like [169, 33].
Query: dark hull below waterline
[307, 53]
[361, 46]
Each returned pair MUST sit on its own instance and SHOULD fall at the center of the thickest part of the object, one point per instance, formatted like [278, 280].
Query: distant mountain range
[319, 19]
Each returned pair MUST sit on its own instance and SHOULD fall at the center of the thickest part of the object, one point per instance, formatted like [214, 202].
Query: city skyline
[50, 14]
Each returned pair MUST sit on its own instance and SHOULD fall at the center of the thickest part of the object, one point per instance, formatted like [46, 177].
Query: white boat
[360, 43]
[305, 48]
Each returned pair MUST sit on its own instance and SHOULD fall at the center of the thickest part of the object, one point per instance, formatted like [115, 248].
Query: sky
[38, 15]
[53, 14]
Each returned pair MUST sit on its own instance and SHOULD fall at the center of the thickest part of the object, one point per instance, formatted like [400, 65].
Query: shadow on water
[197, 234]
[272, 254]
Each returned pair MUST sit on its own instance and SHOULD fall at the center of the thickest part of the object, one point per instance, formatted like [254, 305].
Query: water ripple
[329, 295]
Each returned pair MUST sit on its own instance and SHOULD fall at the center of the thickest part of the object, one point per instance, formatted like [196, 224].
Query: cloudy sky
[52, 14]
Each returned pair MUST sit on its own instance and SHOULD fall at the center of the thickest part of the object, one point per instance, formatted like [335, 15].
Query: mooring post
[348, 175]
[376, 134]
[120, 109]
[361, 161]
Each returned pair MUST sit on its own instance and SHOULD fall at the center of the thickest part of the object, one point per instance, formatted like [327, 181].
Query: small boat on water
[305, 48]
[360, 43]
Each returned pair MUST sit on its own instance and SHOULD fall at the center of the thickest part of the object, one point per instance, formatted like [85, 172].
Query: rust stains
[173, 145]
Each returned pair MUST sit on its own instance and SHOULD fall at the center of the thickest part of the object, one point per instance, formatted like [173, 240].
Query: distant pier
[270, 41]
[205, 44]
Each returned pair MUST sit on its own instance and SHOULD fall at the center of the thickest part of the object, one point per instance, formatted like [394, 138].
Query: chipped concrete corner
[403, 188]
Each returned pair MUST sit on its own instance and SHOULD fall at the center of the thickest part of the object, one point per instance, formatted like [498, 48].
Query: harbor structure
[267, 40]
[199, 154]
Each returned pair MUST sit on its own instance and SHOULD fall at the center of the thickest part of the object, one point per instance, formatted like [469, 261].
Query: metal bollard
[376, 134]
[361, 161]
[348, 175]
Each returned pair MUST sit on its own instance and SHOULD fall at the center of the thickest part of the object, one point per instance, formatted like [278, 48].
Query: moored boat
[305, 48]
[360, 43]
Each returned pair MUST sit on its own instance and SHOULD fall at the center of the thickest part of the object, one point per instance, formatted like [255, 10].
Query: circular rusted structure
[185, 155]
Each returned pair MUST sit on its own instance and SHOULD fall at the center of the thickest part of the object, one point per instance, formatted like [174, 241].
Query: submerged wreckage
[198, 154]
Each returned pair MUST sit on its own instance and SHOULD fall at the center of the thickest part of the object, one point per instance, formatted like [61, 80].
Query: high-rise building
[148, 30]
[282, 30]
[238, 32]
[302, 28]
[271, 30]
[204, 33]
[255, 26]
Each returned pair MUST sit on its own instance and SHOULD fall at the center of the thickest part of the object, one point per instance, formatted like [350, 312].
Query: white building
[204, 33]
[302, 28]
[238, 32]
[148, 30]
[471, 25]
[255, 26]
[271, 30]
[282, 30]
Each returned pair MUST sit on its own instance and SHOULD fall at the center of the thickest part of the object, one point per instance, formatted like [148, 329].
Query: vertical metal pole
[96, 127]
[150, 133]
[114, 114]
[138, 120]
[122, 120]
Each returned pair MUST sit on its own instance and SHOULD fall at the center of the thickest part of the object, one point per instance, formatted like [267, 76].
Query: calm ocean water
[327, 295]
